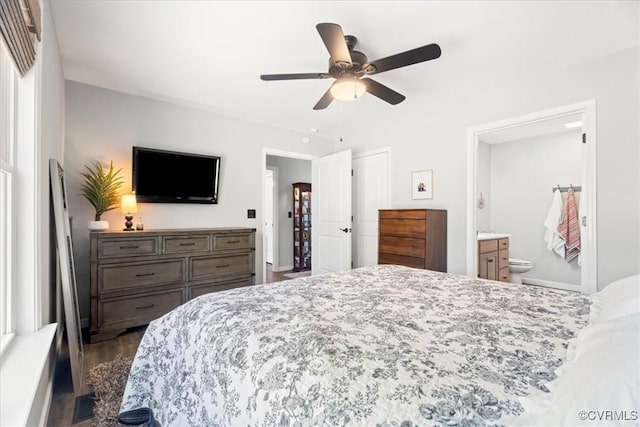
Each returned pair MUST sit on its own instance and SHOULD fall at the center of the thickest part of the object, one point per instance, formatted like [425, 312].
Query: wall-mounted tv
[161, 176]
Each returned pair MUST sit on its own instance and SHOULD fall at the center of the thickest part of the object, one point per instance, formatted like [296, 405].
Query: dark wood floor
[63, 400]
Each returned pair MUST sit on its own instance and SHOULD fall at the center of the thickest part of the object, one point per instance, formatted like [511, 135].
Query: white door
[268, 216]
[331, 213]
[370, 193]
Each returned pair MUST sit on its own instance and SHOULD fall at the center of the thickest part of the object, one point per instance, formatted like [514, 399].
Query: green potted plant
[101, 188]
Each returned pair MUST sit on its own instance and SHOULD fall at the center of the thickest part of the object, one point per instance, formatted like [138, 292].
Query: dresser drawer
[176, 244]
[503, 275]
[232, 241]
[114, 248]
[401, 260]
[403, 227]
[202, 268]
[485, 246]
[138, 310]
[402, 214]
[122, 276]
[197, 290]
[402, 246]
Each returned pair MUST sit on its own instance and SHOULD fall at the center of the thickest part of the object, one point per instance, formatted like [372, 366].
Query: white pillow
[605, 376]
[619, 298]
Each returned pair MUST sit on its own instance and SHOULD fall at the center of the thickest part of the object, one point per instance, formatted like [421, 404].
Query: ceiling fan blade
[333, 39]
[382, 92]
[294, 76]
[324, 102]
[410, 57]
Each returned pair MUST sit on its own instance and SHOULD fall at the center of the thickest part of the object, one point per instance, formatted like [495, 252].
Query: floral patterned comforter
[383, 345]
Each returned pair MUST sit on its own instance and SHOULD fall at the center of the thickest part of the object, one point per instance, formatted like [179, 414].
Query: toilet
[518, 267]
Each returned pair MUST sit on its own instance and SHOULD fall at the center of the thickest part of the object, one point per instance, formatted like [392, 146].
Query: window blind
[17, 19]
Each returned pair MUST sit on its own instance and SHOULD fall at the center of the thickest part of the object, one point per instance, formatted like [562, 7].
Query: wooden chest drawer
[197, 290]
[402, 246]
[177, 244]
[138, 310]
[202, 268]
[401, 260]
[402, 214]
[135, 275]
[127, 247]
[232, 241]
[485, 246]
[403, 228]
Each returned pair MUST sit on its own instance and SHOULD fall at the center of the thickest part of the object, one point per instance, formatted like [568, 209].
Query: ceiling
[210, 54]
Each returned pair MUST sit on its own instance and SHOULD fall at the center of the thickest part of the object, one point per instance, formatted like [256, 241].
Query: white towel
[555, 242]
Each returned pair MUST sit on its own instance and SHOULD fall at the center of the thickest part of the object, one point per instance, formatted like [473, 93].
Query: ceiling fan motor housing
[340, 69]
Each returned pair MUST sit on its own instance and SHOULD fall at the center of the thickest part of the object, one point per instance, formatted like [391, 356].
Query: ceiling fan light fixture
[348, 89]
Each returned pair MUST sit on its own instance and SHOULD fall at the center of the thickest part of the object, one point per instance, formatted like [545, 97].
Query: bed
[383, 345]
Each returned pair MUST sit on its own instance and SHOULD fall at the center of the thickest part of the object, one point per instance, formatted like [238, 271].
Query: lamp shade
[347, 89]
[128, 203]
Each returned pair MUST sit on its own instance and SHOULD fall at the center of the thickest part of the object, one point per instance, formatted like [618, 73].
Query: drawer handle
[222, 266]
[130, 247]
[145, 274]
[188, 244]
[144, 306]
[490, 260]
[233, 241]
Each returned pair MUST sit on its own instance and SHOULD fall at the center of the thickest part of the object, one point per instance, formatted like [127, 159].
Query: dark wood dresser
[138, 276]
[413, 237]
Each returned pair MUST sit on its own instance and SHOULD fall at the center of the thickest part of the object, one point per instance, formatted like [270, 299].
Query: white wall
[289, 171]
[51, 114]
[432, 134]
[483, 184]
[103, 125]
[522, 176]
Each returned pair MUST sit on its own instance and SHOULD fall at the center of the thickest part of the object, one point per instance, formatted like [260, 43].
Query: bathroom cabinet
[493, 259]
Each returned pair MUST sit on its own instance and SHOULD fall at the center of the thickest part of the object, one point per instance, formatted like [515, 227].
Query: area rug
[109, 380]
[298, 274]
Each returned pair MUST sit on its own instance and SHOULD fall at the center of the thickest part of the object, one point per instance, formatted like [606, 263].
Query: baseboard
[550, 284]
[284, 268]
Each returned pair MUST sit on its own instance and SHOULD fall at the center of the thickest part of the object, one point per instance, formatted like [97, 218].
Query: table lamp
[128, 206]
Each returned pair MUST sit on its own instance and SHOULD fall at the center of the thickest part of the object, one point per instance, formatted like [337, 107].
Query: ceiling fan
[349, 67]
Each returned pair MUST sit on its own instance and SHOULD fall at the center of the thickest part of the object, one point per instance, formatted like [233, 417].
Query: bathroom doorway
[514, 166]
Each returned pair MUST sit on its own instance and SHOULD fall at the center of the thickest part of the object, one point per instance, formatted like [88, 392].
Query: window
[7, 143]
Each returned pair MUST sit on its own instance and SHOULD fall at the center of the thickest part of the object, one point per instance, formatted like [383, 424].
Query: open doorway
[282, 170]
[515, 166]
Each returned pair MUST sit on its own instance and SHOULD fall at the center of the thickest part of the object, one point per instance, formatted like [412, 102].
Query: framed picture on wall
[422, 184]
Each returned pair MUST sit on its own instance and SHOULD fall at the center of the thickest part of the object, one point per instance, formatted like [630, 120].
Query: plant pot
[98, 225]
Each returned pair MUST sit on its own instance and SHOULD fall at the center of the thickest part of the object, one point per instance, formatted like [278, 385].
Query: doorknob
[346, 230]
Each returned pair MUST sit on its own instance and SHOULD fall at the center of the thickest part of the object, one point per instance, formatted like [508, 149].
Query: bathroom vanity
[493, 256]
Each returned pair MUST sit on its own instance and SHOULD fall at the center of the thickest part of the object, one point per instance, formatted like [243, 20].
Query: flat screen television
[161, 176]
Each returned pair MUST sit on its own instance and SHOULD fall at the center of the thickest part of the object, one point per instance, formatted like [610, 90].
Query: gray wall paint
[432, 134]
[522, 175]
[289, 171]
[103, 125]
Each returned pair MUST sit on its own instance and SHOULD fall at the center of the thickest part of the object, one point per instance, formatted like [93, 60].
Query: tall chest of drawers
[413, 237]
[139, 276]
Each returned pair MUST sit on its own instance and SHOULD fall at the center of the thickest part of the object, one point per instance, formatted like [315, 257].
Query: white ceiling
[210, 54]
